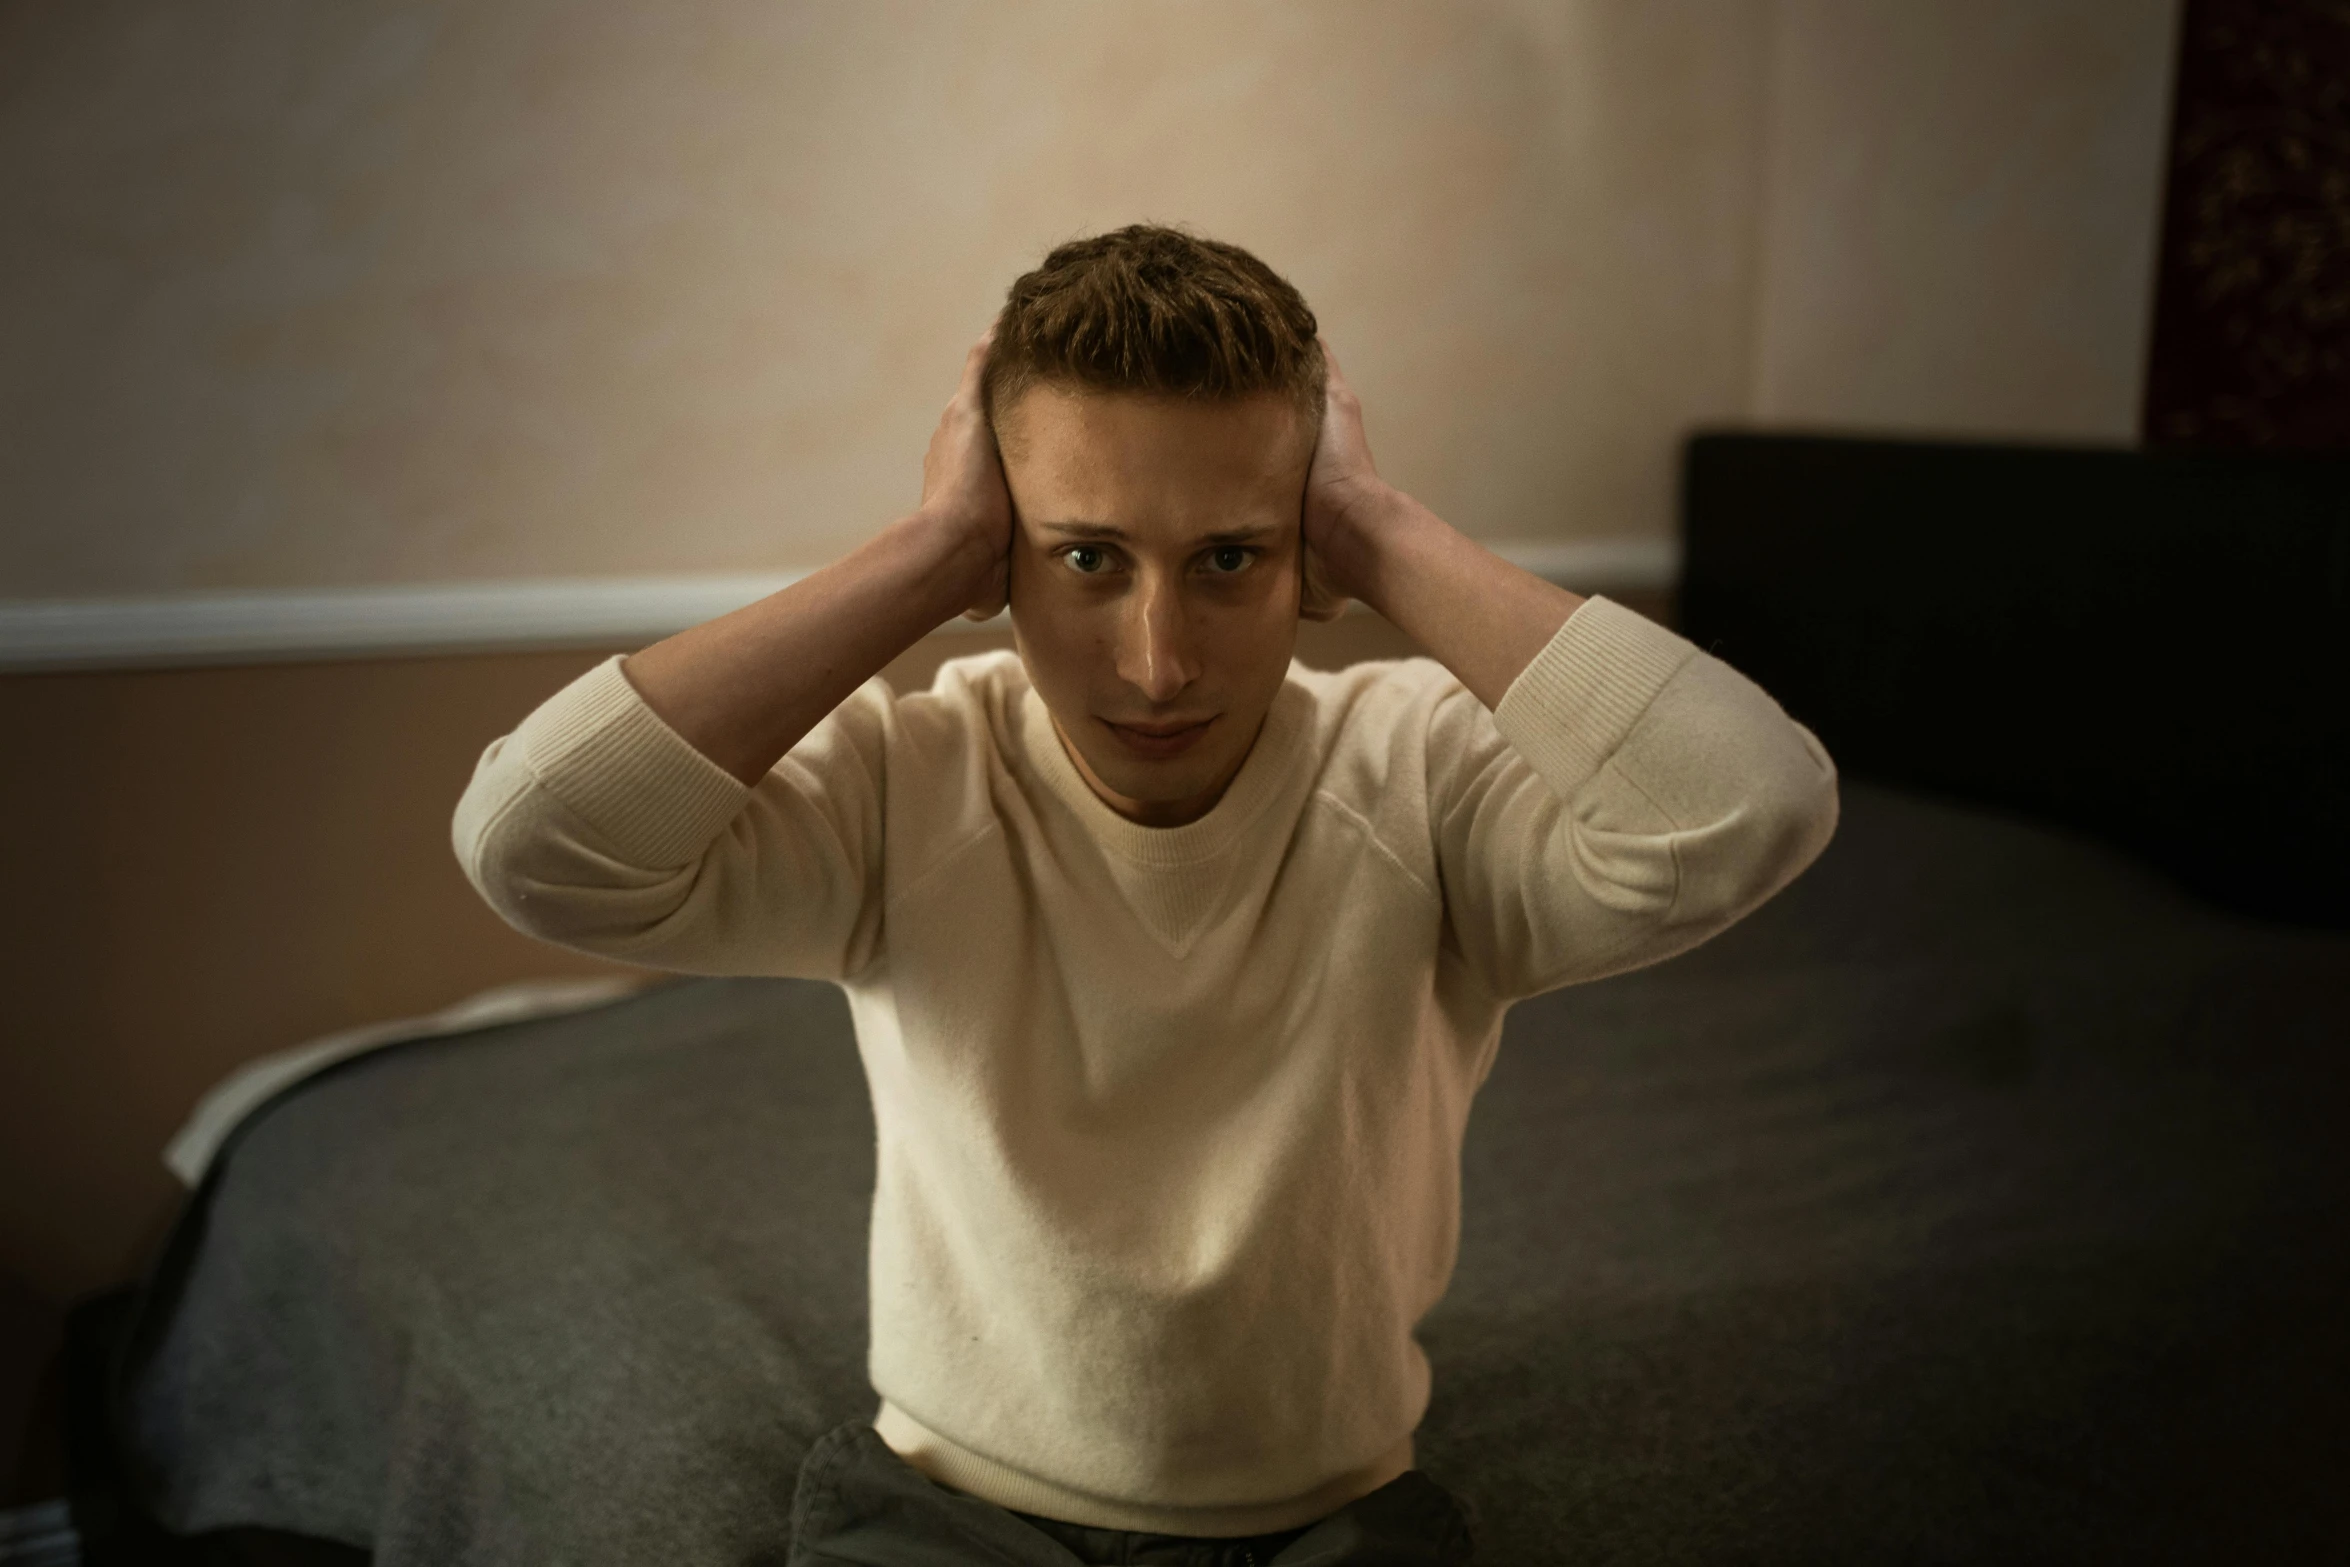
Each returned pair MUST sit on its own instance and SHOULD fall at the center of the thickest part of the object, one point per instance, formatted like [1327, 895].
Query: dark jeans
[859, 1503]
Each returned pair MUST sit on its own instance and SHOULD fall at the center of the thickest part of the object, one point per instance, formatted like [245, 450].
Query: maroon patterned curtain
[2252, 302]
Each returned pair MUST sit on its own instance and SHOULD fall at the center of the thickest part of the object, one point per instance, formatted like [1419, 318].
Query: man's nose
[1155, 652]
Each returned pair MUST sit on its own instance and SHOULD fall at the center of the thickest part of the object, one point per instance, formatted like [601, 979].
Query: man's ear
[1316, 599]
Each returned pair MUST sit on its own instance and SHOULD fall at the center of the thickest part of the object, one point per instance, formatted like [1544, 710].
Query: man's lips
[1158, 741]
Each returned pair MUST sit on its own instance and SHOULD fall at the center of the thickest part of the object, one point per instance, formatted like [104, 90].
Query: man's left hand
[1343, 494]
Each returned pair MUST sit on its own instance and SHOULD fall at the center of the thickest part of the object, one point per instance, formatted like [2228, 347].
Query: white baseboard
[303, 624]
[323, 623]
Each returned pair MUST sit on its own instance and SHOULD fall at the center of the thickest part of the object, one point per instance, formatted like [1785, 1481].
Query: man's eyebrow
[1115, 534]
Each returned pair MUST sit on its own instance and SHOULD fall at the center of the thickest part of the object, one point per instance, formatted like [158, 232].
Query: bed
[1983, 1197]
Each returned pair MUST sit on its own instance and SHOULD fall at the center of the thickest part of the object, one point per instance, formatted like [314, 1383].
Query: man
[1174, 965]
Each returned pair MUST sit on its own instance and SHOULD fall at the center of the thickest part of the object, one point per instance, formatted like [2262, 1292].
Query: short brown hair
[1152, 309]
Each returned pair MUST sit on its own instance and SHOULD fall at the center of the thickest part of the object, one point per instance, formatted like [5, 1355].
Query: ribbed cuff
[599, 749]
[1573, 705]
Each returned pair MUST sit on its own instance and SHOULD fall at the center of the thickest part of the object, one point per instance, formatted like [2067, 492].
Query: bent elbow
[560, 894]
[489, 850]
[1807, 823]
[557, 887]
[1783, 819]
[1796, 816]
[495, 864]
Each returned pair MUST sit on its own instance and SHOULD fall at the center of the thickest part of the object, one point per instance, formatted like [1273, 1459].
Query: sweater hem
[949, 1464]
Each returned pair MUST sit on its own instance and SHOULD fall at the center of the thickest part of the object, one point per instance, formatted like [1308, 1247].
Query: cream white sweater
[1169, 1119]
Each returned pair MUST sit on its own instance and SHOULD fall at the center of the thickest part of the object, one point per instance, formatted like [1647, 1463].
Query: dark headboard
[2152, 646]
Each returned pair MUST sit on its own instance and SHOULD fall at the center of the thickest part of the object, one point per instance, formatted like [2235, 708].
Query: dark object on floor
[1981, 1198]
[2151, 646]
[111, 1521]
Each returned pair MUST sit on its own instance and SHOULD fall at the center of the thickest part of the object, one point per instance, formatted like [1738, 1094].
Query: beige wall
[377, 292]
[1960, 225]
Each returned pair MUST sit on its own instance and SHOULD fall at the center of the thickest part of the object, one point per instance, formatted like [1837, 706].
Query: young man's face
[1154, 581]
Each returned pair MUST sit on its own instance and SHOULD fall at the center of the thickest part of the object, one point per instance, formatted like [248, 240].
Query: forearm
[746, 687]
[1480, 616]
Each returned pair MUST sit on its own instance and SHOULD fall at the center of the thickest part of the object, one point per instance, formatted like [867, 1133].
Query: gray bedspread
[1982, 1198]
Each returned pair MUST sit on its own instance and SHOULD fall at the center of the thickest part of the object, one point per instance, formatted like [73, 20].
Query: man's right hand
[963, 486]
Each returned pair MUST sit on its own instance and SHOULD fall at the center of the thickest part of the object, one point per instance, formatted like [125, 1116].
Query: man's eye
[1086, 560]
[1229, 558]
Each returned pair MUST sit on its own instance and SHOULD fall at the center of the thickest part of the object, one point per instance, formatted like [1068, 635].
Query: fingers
[1336, 378]
[975, 365]
[994, 596]
[1342, 453]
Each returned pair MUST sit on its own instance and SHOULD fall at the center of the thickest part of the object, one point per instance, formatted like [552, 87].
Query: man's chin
[1159, 792]
[1157, 784]
[1154, 787]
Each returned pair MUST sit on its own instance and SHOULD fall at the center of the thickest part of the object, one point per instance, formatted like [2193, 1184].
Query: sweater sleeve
[1630, 798]
[596, 826]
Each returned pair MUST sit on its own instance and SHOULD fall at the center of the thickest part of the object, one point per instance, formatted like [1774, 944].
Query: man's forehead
[1057, 423]
[1118, 468]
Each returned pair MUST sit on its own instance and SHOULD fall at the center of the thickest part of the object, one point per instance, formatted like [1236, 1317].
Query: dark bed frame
[2152, 646]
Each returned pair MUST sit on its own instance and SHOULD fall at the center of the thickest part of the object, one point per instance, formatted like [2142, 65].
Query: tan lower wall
[206, 865]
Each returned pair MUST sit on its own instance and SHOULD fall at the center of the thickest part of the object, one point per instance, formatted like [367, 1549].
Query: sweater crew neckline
[1260, 780]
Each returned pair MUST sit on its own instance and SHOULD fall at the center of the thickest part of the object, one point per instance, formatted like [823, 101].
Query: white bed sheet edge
[191, 1150]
